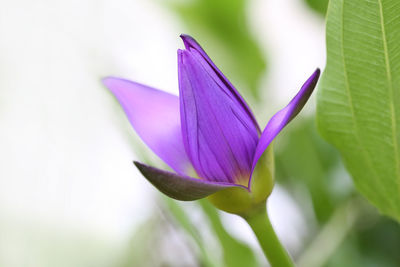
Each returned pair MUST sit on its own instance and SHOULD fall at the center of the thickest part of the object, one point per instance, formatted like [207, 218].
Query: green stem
[270, 244]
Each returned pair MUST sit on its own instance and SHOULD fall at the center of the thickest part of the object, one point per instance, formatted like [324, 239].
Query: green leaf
[359, 97]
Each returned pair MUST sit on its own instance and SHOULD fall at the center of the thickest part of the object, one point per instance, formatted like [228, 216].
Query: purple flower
[208, 136]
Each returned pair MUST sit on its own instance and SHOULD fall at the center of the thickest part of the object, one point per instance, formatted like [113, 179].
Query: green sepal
[241, 201]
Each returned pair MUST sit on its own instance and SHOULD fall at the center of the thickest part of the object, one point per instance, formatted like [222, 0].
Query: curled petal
[180, 187]
[154, 115]
[284, 116]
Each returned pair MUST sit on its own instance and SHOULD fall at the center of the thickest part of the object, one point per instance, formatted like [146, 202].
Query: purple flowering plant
[211, 140]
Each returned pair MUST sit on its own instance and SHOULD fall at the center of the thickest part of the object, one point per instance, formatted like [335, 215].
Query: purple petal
[219, 135]
[284, 116]
[190, 44]
[180, 187]
[155, 117]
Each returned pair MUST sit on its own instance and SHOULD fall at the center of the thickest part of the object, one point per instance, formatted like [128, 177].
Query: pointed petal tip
[180, 187]
[110, 83]
[108, 79]
[105, 80]
[316, 74]
[137, 164]
[307, 88]
[185, 36]
[188, 40]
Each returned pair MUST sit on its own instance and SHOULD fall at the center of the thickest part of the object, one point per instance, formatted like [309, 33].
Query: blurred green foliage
[222, 27]
[141, 242]
[370, 246]
[206, 259]
[235, 252]
[303, 158]
[320, 6]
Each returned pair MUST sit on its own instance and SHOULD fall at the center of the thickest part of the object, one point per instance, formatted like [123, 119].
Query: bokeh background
[69, 193]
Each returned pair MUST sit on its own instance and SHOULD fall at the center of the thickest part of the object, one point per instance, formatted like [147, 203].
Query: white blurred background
[67, 182]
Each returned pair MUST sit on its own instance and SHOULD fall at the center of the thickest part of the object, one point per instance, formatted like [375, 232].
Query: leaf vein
[391, 94]
[350, 100]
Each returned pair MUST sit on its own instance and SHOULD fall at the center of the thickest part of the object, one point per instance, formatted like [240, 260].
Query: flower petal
[154, 115]
[219, 136]
[284, 116]
[180, 187]
[190, 43]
